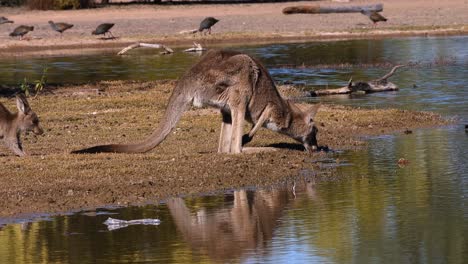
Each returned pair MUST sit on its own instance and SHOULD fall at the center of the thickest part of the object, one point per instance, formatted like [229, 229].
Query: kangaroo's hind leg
[238, 118]
[226, 133]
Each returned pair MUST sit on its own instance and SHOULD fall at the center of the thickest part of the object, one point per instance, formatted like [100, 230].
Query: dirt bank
[51, 180]
[239, 23]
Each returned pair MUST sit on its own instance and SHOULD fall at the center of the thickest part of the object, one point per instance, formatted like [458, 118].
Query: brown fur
[11, 125]
[242, 89]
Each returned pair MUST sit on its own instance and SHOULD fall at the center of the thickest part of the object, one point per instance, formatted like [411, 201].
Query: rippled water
[373, 211]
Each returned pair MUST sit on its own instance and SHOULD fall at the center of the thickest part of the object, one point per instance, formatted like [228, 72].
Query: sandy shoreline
[240, 23]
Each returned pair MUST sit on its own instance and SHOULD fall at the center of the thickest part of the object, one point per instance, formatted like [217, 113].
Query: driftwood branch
[388, 75]
[378, 85]
[317, 9]
[167, 50]
[196, 47]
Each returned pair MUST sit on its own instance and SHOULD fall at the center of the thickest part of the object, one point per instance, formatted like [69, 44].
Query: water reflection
[244, 227]
[378, 213]
[217, 229]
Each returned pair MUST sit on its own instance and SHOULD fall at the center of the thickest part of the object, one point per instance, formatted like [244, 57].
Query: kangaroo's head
[27, 119]
[302, 127]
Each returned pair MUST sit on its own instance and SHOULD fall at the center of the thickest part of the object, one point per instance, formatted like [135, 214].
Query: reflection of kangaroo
[242, 88]
[11, 125]
[228, 232]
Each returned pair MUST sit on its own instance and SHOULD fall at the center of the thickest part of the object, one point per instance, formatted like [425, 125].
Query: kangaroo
[11, 125]
[241, 87]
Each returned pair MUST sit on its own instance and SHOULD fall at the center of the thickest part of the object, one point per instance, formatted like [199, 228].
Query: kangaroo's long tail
[177, 105]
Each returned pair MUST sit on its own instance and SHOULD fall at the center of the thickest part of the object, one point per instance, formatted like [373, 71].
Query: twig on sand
[191, 31]
[167, 50]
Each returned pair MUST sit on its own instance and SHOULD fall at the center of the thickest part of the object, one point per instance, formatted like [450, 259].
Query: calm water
[440, 79]
[373, 212]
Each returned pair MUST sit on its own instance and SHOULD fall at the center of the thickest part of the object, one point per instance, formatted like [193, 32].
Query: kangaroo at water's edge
[241, 87]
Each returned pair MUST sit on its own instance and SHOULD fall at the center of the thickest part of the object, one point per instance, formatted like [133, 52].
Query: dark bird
[21, 31]
[60, 27]
[207, 23]
[374, 16]
[103, 29]
[4, 20]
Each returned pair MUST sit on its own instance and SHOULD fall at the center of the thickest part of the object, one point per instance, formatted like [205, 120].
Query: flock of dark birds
[60, 27]
[104, 28]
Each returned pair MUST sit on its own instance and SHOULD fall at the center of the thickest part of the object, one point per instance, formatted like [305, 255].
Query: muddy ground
[239, 23]
[52, 180]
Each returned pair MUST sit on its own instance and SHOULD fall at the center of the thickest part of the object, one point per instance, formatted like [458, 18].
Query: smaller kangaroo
[11, 125]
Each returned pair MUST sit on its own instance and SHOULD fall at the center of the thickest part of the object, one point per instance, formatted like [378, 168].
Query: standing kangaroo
[11, 125]
[242, 89]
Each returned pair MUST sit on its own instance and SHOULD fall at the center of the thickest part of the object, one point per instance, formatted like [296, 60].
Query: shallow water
[440, 75]
[372, 211]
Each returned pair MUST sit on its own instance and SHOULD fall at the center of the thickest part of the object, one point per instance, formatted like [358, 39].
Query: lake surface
[371, 211]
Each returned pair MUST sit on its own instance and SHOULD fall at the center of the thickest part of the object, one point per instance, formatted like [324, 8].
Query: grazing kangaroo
[11, 125]
[242, 89]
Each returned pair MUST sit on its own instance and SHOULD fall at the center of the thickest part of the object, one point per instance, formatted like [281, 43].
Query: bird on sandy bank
[373, 16]
[207, 23]
[60, 27]
[103, 29]
[21, 31]
[4, 20]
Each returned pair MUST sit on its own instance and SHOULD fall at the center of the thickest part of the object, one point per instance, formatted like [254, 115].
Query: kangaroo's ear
[312, 111]
[22, 104]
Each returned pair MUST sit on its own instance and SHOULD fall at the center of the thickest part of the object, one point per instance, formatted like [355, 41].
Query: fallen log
[167, 50]
[374, 86]
[317, 9]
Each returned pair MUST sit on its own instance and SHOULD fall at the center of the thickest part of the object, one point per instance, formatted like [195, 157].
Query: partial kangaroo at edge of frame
[243, 90]
[13, 124]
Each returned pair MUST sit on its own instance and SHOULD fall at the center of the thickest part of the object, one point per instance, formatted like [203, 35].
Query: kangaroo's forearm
[261, 120]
